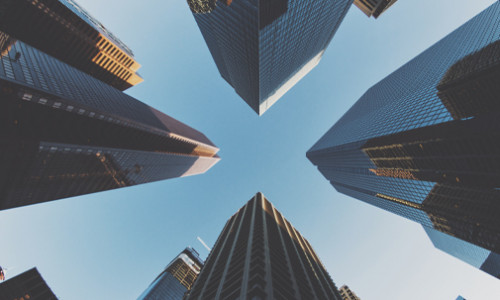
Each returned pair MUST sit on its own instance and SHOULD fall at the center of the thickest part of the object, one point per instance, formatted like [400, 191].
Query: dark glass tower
[424, 142]
[260, 255]
[177, 278]
[64, 133]
[475, 256]
[263, 48]
[64, 30]
[28, 285]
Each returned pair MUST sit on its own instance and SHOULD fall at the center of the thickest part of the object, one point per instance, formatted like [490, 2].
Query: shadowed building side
[63, 29]
[260, 255]
[423, 143]
[28, 285]
[64, 133]
[263, 48]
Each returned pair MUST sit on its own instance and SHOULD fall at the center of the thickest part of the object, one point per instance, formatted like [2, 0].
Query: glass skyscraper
[66, 31]
[65, 133]
[260, 256]
[263, 48]
[475, 256]
[424, 142]
[177, 278]
[26, 286]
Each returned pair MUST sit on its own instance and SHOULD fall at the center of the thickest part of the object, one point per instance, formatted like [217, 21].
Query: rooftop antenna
[203, 243]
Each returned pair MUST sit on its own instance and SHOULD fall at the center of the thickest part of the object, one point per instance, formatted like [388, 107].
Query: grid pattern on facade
[71, 35]
[400, 147]
[260, 255]
[347, 294]
[258, 46]
[177, 278]
[28, 285]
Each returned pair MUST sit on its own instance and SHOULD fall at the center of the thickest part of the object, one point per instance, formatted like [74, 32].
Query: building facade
[65, 133]
[374, 8]
[177, 278]
[476, 256]
[423, 143]
[347, 294]
[263, 48]
[260, 255]
[66, 31]
[28, 285]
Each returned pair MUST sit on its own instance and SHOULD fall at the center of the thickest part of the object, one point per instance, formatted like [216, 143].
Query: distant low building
[374, 7]
[26, 286]
[347, 294]
[177, 278]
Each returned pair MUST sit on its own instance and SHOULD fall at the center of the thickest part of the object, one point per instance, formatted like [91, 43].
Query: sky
[111, 245]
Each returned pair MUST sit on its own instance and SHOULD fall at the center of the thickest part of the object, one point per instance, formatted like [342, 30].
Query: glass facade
[28, 285]
[476, 256]
[263, 48]
[75, 38]
[423, 143]
[260, 255]
[64, 133]
[177, 278]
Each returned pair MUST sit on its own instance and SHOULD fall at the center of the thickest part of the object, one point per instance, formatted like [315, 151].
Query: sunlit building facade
[27, 286]
[263, 48]
[374, 8]
[260, 255]
[65, 133]
[66, 31]
[177, 278]
[423, 143]
[347, 294]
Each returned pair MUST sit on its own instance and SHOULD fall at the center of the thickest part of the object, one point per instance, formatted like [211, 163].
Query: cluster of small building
[422, 143]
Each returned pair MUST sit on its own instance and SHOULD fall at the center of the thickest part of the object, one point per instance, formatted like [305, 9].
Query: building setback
[263, 48]
[177, 278]
[64, 133]
[66, 31]
[347, 294]
[260, 255]
[28, 285]
[374, 8]
[424, 142]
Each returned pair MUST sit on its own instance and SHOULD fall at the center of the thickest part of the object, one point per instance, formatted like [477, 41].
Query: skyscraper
[66, 31]
[423, 143]
[263, 48]
[347, 294]
[177, 278]
[260, 255]
[374, 7]
[475, 256]
[65, 133]
[28, 285]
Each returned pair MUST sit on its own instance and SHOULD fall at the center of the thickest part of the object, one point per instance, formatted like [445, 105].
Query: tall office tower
[260, 255]
[28, 285]
[177, 278]
[63, 29]
[64, 133]
[374, 7]
[347, 294]
[424, 142]
[476, 256]
[263, 48]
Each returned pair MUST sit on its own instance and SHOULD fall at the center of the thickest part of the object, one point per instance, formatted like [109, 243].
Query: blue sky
[111, 245]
